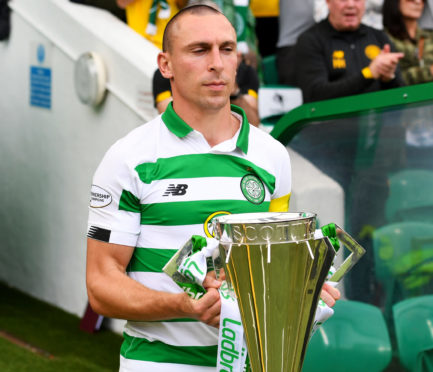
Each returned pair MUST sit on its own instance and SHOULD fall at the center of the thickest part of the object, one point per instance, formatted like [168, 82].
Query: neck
[216, 125]
[411, 25]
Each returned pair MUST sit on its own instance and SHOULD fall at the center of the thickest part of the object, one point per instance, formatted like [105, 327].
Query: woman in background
[400, 20]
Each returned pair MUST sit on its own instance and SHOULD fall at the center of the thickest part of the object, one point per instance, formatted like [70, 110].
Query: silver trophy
[277, 268]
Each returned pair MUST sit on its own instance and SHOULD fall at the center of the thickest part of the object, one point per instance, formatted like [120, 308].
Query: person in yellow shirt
[149, 17]
[266, 13]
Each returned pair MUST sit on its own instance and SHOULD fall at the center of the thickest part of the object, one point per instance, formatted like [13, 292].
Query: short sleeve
[114, 211]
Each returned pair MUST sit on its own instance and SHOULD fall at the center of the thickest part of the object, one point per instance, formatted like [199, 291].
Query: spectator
[244, 95]
[372, 15]
[340, 56]
[400, 19]
[149, 17]
[295, 17]
[266, 13]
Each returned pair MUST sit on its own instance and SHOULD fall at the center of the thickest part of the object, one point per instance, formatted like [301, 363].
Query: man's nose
[215, 60]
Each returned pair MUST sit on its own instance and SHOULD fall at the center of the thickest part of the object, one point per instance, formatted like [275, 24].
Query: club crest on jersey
[208, 226]
[253, 189]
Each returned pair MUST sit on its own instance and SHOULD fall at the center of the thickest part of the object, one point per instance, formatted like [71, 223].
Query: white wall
[48, 156]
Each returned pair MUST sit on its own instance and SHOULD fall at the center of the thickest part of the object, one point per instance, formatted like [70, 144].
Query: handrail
[292, 122]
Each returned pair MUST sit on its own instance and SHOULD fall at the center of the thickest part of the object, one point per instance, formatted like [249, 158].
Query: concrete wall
[49, 155]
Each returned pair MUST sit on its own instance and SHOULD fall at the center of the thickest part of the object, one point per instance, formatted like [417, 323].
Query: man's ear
[164, 65]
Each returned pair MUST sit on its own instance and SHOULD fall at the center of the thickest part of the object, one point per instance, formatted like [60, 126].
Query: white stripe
[168, 237]
[157, 281]
[130, 365]
[174, 333]
[219, 188]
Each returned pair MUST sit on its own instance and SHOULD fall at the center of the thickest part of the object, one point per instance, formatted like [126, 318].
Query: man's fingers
[210, 281]
[330, 294]
[386, 48]
[222, 274]
[208, 308]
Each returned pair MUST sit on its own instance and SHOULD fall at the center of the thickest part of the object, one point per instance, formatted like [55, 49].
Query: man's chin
[351, 26]
[215, 103]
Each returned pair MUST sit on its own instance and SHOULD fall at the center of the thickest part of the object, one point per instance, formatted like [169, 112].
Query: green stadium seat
[354, 339]
[410, 196]
[270, 73]
[403, 259]
[413, 319]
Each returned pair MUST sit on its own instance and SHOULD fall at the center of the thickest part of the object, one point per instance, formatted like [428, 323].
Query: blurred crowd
[327, 48]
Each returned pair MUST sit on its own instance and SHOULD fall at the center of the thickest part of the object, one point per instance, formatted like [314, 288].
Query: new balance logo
[176, 190]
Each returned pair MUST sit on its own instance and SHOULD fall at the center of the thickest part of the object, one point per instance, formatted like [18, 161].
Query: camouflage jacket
[415, 65]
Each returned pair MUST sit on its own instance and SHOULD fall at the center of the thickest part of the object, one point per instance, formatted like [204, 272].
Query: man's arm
[113, 294]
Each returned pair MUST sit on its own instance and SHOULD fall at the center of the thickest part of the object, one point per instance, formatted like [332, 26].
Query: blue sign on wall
[40, 86]
[40, 81]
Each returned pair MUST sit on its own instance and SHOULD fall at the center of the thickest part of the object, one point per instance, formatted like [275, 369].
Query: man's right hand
[384, 65]
[207, 309]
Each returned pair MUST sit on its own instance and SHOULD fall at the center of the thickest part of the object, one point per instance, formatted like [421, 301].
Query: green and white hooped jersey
[158, 186]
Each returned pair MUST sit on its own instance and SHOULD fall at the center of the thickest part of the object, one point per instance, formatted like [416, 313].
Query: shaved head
[197, 9]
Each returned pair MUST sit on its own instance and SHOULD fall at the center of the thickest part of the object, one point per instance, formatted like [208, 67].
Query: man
[163, 183]
[340, 56]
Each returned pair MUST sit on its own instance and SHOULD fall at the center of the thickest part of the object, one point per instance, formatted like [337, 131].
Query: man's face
[202, 60]
[346, 15]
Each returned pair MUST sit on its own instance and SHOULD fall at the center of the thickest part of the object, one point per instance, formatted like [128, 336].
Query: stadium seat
[354, 339]
[270, 73]
[410, 196]
[413, 319]
[403, 259]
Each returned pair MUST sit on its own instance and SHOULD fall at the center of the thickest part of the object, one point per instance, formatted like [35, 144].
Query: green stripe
[156, 351]
[153, 260]
[194, 212]
[202, 165]
[150, 259]
[181, 320]
[244, 133]
[174, 122]
[129, 202]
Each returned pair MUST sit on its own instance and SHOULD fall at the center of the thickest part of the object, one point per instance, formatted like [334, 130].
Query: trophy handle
[356, 253]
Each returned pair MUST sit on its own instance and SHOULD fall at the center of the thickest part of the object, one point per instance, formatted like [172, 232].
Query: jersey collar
[180, 128]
